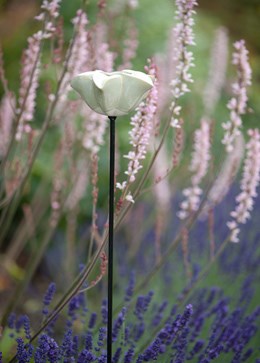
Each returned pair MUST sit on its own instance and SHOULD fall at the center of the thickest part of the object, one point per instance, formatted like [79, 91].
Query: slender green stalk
[94, 206]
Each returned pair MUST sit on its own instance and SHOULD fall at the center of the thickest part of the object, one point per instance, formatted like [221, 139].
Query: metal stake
[110, 239]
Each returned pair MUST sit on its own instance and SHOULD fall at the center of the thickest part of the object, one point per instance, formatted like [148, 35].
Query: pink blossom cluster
[94, 130]
[191, 202]
[29, 83]
[79, 185]
[52, 7]
[7, 106]
[78, 53]
[59, 183]
[133, 4]
[166, 71]
[3, 79]
[31, 66]
[201, 153]
[199, 166]
[142, 123]
[48, 15]
[238, 103]
[162, 188]
[217, 70]
[130, 47]
[226, 176]
[103, 58]
[249, 183]
[184, 36]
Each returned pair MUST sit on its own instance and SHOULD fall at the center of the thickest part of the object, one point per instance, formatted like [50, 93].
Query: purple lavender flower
[130, 288]
[104, 311]
[118, 323]
[101, 338]
[47, 349]
[67, 350]
[152, 352]
[19, 323]
[117, 355]
[102, 358]
[196, 349]
[129, 355]
[75, 345]
[11, 323]
[142, 304]
[76, 304]
[26, 325]
[48, 298]
[24, 352]
[86, 357]
[159, 314]
[92, 321]
[89, 341]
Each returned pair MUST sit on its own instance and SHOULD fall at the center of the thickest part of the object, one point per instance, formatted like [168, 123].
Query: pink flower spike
[249, 183]
[184, 37]
[29, 83]
[141, 132]
[199, 167]
[238, 103]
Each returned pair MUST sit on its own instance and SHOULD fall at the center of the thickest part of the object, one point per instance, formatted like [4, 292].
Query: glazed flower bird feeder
[113, 94]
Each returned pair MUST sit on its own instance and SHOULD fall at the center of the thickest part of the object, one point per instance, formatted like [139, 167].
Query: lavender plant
[176, 310]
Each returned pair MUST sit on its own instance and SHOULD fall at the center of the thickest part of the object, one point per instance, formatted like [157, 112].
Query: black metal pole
[110, 239]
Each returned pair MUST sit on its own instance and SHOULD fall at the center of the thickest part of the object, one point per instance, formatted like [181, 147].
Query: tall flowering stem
[140, 134]
[31, 66]
[199, 166]
[29, 84]
[184, 36]
[79, 53]
[6, 121]
[130, 45]
[30, 72]
[2, 73]
[27, 93]
[226, 176]
[238, 102]
[250, 181]
[217, 71]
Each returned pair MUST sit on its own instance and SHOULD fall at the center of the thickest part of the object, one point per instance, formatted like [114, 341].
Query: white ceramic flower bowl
[115, 93]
